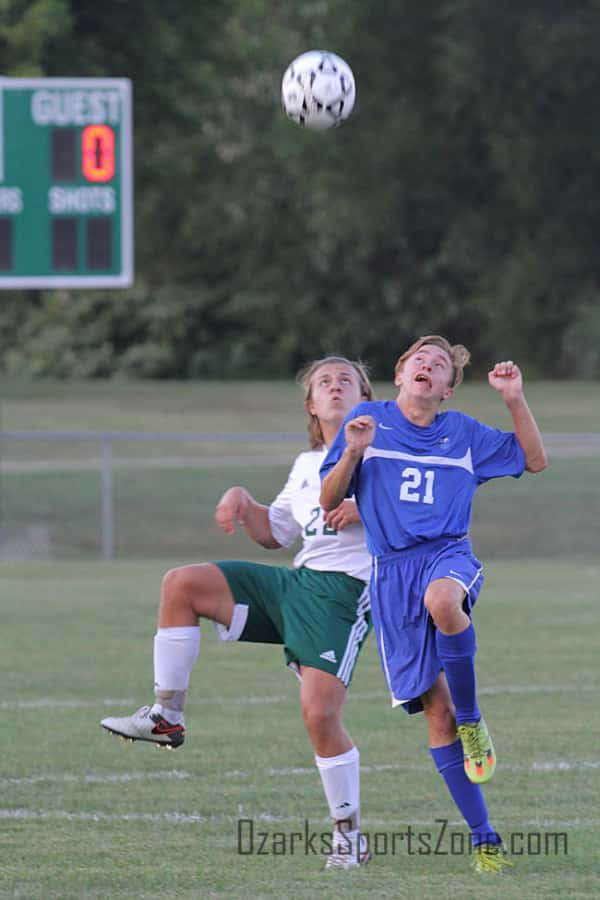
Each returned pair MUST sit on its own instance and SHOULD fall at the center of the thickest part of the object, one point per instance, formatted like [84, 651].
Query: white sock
[175, 652]
[341, 783]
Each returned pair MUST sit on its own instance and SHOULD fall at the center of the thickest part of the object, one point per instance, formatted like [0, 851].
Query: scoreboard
[66, 187]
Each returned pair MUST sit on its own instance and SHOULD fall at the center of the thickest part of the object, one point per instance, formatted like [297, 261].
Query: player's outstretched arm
[506, 378]
[237, 506]
[359, 433]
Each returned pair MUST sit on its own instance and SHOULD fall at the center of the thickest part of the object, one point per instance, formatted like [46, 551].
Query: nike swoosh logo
[164, 728]
[386, 427]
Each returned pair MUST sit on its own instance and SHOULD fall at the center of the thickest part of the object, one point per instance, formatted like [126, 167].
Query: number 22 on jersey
[310, 528]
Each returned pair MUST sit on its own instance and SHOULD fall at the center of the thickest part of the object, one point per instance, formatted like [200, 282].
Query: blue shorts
[403, 628]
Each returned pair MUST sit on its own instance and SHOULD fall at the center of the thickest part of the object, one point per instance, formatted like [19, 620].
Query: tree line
[461, 196]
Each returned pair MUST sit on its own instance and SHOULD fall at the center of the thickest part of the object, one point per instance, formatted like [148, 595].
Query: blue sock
[457, 656]
[467, 796]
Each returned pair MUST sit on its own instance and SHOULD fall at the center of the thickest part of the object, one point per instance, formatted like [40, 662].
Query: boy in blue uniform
[414, 471]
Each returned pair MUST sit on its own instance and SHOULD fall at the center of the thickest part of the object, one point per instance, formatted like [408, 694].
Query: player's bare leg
[192, 592]
[439, 713]
[322, 697]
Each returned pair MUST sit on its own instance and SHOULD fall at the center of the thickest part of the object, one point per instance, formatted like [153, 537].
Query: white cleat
[147, 724]
[348, 851]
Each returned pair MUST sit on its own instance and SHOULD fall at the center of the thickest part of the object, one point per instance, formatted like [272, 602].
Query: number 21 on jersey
[417, 486]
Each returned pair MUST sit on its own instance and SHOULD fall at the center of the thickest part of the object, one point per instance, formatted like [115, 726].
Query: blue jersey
[416, 483]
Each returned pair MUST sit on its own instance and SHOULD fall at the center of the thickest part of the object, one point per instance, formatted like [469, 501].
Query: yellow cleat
[478, 750]
[489, 858]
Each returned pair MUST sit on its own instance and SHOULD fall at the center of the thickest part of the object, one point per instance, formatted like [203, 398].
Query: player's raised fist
[360, 433]
[506, 377]
[231, 509]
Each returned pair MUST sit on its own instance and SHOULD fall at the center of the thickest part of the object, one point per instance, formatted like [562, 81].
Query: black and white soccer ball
[318, 90]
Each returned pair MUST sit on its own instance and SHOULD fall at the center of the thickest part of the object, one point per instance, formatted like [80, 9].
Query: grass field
[87, 816]
[251, 406]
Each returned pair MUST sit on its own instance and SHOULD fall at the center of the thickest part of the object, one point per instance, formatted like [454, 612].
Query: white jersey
[296, 512]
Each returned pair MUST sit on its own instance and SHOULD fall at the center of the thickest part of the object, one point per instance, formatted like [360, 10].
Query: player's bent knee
[438, 606]
[186, 585]
[443, 607]
[175, 584]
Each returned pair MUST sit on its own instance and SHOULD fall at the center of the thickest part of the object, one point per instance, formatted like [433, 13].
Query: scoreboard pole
[66, 183]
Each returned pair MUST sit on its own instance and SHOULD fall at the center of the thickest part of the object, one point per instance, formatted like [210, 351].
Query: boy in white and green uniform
[318, 610]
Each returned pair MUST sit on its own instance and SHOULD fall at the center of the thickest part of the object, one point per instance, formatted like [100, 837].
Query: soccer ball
[317, 90]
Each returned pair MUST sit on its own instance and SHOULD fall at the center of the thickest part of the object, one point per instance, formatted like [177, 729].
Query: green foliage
[27, 29]
[581, 339]
[460, 197]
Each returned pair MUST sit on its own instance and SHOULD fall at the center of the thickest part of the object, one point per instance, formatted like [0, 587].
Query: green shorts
[321, 618]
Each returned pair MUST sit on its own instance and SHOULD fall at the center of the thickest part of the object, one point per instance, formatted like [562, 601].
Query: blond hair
[459, 355]
[305, 376]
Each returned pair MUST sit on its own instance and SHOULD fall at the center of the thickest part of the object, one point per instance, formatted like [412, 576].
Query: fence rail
[559, 445]
[106, 462]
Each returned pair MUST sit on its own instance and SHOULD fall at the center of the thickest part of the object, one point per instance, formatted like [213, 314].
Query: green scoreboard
[66, 187]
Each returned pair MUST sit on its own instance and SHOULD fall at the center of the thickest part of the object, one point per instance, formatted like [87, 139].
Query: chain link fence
[125, 495]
